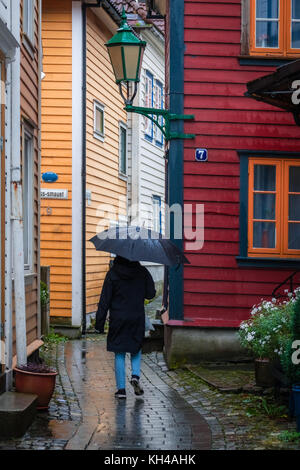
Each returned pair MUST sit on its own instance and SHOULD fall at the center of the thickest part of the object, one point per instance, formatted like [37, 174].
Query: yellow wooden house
[84, 143]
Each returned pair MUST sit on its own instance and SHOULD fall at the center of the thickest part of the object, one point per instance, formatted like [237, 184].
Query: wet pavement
[178, 410]
[149, 422]
[84, 413]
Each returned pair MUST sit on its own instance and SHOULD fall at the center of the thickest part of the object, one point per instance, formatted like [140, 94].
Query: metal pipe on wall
[17, 202]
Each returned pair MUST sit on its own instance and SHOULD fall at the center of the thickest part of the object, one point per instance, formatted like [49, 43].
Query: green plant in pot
[290, 361]
[38, 379]
[261, 335]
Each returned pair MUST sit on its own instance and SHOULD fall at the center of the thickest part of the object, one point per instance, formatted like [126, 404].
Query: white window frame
[124, 127]
[159, 104]
[29, 20]
[27, 167]
[99, 107]
[157, 203]
[148, 102]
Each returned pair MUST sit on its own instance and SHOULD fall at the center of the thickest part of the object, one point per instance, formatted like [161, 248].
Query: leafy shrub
[44, 294]
[264, 333]
[289, 436]
[292, 370]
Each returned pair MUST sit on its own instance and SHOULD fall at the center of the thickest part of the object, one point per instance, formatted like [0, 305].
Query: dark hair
[124, 261]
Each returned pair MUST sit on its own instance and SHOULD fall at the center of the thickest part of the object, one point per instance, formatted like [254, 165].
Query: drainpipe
[17, 202]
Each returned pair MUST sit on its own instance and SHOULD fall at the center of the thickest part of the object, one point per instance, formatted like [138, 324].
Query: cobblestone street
[177, 411]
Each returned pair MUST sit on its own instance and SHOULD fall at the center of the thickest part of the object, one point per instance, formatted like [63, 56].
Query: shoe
[121, 393]
[136, 386]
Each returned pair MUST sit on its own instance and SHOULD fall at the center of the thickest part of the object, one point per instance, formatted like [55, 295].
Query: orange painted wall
[102, 157]
[56, 229]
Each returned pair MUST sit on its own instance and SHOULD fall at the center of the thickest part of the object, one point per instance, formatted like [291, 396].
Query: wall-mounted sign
[49, 177]
[54, 193]
[201, 155]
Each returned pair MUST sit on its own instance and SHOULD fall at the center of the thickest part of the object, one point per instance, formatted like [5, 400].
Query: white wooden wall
[146, 164]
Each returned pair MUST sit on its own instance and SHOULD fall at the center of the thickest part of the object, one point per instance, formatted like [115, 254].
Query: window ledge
[288, 263]
[266, 61]
[99, 136]
[28, 45]
[123, 177]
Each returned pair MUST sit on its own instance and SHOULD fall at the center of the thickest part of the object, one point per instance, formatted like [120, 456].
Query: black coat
[126, 286]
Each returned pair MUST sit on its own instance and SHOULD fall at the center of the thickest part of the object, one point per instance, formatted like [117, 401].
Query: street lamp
[126, 54]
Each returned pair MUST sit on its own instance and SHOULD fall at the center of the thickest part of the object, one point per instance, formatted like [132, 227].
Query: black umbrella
[139, 244]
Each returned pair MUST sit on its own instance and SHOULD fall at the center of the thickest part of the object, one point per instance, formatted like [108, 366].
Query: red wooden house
[250, 183]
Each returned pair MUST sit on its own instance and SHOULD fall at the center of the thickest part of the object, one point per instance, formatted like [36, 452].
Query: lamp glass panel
[116, 60]
[131, 56]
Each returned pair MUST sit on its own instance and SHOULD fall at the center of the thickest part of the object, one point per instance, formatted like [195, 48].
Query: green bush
[264, 332]
[44, 294]
[292, 371]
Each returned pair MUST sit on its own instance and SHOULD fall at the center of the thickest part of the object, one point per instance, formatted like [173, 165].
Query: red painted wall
[216, 290]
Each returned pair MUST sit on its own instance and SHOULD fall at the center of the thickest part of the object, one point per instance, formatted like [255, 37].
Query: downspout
[17, 202]
[175, 170]
[83, 164]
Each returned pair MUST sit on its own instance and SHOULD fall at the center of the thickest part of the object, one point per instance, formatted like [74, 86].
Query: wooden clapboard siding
[215, 288]
[56, 229]
[102, 157]
[30, 118]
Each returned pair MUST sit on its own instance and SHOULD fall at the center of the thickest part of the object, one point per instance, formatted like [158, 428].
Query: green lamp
[126, 55]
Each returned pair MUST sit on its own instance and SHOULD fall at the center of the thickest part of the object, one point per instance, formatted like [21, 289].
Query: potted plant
[290, 361]
[38, 379]
[261, 334]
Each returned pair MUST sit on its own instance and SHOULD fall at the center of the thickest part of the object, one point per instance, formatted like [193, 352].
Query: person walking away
[126, 286]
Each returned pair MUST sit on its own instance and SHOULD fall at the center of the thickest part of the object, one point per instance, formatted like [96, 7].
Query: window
[148, 104]
[98, 120]
[274, 208]
[156, 204]
[28, 19]
[153, 99]
[28, 198]
[123, 149]
[275, 27]
[158, 103]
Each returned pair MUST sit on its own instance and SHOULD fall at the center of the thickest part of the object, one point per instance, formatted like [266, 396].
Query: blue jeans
[120, 367]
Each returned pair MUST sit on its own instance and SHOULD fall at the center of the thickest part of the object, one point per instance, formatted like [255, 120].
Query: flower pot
[263, 373]
[295, 405]
[40, 384]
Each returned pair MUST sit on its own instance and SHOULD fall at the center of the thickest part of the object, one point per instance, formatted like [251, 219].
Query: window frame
[262, 259]
[159, 85]
[123, 126]
[285, 203]
[29, 166]
[99, 107]
[148, 122]
[28, 31]
[264, 251]
[157, 198]
[284, 48]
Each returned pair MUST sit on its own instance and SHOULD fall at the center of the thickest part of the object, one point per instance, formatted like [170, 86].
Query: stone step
[17, 411]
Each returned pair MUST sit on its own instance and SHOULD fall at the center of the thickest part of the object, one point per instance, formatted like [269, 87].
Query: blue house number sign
[201, 155]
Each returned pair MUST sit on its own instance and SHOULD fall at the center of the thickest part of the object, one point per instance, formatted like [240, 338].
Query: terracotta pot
[41, 385]
[263, 373]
